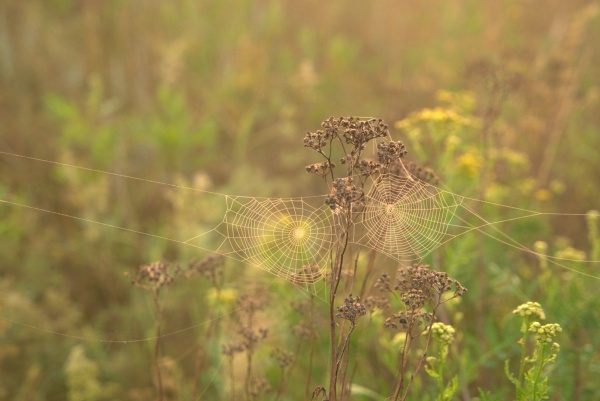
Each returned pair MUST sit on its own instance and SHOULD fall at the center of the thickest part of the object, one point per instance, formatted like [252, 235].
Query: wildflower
[470, 163]
[442, 333]
[532, 310]
[546, 333]
[540, 247]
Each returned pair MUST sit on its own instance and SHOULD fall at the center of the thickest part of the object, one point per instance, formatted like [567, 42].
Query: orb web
[405, 218]
[286, 237]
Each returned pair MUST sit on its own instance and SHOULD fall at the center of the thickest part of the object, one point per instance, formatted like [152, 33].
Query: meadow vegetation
[492, 100]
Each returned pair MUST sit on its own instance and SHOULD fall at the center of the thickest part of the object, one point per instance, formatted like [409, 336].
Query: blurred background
[501, 98]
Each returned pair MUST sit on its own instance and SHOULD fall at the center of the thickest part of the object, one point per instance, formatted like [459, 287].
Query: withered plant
[421, 292]
[420, 289]
[153, 278]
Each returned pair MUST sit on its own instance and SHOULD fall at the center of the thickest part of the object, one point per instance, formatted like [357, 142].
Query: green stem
[538, 373]
[441, 372]
[521, 377]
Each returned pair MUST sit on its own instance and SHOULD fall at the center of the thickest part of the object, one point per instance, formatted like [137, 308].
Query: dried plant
[154, 277]
[347, 200]
[421, 291]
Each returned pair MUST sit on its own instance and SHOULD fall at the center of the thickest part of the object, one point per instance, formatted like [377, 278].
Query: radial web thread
[286, 237]
[405, 218]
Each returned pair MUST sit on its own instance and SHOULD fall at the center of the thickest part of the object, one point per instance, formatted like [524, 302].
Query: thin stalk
[157, 346]
[402, 365]
[538, 373]
[522, 362]
[201, 353]
[422, 359]
[336, 270]
[310, 354]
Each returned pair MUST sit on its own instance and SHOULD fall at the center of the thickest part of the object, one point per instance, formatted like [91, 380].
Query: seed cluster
[210, 268]
[424, 174]
[418, 282]
[308, 274]
[389, 152]
[373, 303]
[344, 194]
[358, 132]
[320, 169]
[155, 275]
[282, 357]
[420, 288]
[351, 310]
[406, 319]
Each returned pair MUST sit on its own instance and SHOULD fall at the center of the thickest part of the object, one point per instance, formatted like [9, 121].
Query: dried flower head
[424, 174]
[308, 274]
[344, 194]
[407, 319]
[251, 303]
[154, 275]
[390, 152]
[383, 283]
[230, 349]
[367, 168]
[352, 309]
[320, 169]
[251, 337]
[358, 131]
[418, 283]
[282, 357]
[259, 387]
[372, 303]
[210, 268]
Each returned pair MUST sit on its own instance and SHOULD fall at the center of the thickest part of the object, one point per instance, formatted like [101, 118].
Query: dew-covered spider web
[289, 238]
[405, 218]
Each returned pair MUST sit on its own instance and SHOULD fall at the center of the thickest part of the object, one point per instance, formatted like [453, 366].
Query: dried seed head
[389, 152]
[352, 309]
[155, 275]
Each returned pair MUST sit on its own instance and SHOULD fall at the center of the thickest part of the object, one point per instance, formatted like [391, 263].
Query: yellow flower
[470, 163]
[543, 195]
[227, 296]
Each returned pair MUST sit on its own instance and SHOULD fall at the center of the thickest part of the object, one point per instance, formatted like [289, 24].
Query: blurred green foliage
[500, 98]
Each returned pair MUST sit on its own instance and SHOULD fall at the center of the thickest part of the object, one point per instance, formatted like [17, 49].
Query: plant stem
[312, 347]
[538, 373]
[157, 346]
[402, 365]
[521, 377]
[336, 270]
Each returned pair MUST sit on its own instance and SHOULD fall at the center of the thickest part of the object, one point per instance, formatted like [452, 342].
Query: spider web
[285, 237]
[405, 218]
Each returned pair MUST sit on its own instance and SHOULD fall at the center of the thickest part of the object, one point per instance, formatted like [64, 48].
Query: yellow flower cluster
[546, 333]
[437, 114]
[470, 163]
[570, 253]
[530, 310]
[458, 100]
[442, 333]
